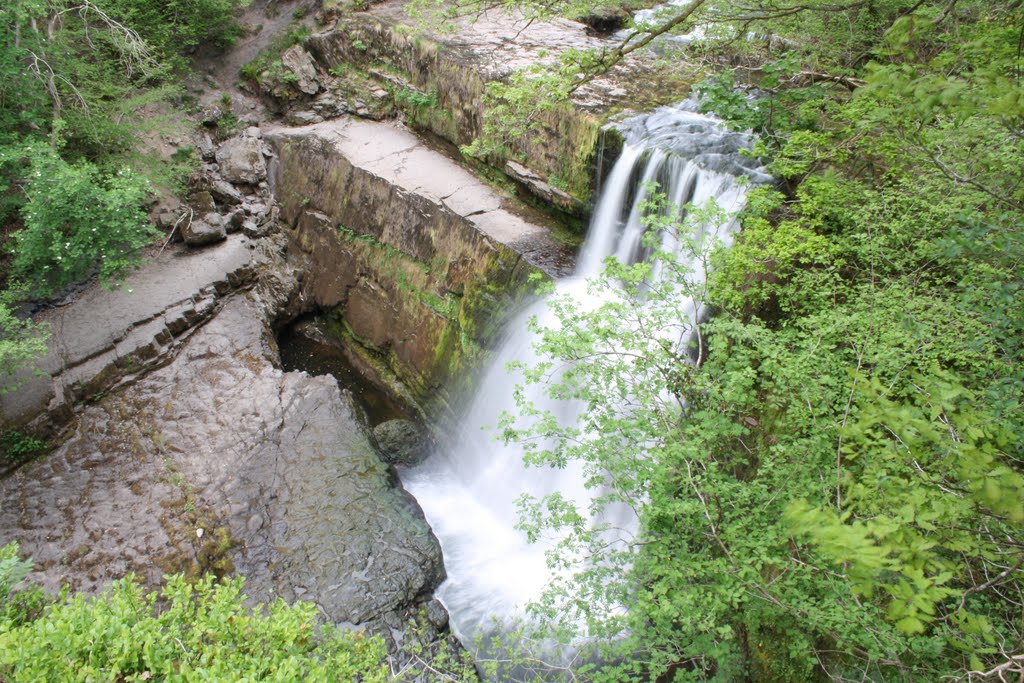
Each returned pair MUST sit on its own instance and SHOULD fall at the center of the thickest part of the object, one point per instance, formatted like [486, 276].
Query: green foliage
[512, 107]
[13, 570]
[17, 605]
[836, 491]
[77, 217]
[15, 445]
[21, 342]
[74, 81]
[175, 27]
[187, 632]
[409, 98]
[780, 109]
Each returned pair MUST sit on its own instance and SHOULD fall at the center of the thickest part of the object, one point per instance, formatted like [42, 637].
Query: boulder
[202, 202]
[303, 118]
[241, 160]
[200, 232]
[211, 116]
[401, 442]
[253, 230]
[207, 150]
[225, 192]
[233, 221]
[165, 220]
[300, 63]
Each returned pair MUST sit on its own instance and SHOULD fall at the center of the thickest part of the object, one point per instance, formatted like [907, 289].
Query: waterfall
[469, 487]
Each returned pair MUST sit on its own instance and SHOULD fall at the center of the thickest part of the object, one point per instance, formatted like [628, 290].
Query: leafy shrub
[412, 99]
[176, 26]
[21, 341]
[17, 606]
[187, 632]
[15, 445]
[13, 569]
[78, 217]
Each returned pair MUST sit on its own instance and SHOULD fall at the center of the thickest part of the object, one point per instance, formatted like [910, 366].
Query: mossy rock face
[415, 278]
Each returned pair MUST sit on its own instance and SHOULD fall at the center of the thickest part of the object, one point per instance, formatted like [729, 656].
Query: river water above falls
[468, 488]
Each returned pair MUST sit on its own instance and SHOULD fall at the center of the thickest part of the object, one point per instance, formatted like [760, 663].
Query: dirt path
[264, 20]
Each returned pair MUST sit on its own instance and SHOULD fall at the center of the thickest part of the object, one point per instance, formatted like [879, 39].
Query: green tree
[835, 489]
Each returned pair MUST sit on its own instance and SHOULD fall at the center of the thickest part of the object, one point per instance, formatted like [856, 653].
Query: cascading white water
[468, 489]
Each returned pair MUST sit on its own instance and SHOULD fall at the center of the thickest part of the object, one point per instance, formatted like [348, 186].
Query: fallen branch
[173, 229]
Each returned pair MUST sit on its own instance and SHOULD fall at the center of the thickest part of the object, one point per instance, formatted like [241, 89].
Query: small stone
[234, 220]
[255, 209]
[251, 229]
[207, 150]
[166, 220]
[254, 524]
[303, 118]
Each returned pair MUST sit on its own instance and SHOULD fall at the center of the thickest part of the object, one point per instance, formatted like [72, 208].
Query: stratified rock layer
[221, 458]
[415, 256]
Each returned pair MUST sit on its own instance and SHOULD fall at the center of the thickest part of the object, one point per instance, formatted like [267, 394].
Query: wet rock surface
[111, 336]
[222, 456]
[414, 256]
[401, 442]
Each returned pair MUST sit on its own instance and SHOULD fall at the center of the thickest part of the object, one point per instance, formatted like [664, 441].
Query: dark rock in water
[437, 614]
[200, 232]
[401, 442]
[604, 22]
